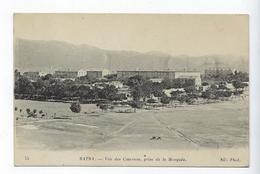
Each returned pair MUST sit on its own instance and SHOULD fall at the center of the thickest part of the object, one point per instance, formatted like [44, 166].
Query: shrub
[238, 84]
[237, 92]
[205, 83]
[28, 111]
[224, 93]
[103, 106]
[190, 89]
[31, 114]
[40, 111]
[151, 100]
[165, 99]
[136, 104]
[75, 107]
[182, 98]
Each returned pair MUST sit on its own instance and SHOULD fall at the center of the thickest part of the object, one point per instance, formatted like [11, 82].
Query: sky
[193, 35]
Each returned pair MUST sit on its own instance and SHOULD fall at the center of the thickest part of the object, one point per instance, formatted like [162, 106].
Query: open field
[217, 125]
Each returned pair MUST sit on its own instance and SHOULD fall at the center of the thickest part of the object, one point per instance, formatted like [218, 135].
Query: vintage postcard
[131, 90]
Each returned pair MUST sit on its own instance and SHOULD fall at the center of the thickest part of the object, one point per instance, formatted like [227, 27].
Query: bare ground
[218, 125]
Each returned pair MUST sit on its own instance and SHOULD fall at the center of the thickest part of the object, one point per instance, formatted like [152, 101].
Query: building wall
[147, 74]
[189, 75]
[82, 73]
[106, 72]
[94, 74]
[32, 75]
[65, 74]
[126, 74]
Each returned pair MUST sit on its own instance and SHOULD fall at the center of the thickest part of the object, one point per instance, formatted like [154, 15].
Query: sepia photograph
[131, 89]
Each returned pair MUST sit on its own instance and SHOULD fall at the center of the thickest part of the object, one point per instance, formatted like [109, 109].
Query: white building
[189, 75]
[82, 72]
[156, 80]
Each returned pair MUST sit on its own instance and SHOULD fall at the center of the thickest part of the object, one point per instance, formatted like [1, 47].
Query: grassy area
[217, 125]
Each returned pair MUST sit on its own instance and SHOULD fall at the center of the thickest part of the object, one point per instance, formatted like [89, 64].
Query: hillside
[38, 55]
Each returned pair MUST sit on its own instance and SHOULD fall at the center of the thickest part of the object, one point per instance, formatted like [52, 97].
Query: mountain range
[40, 55]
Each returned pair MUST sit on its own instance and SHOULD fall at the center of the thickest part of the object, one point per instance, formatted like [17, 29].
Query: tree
[75, 107]
[176, 94]
[211, 93]
[150, 88]
[190, 89]
[57, 88]
[165, 99]
[136, 104]
[238, 84]
[182, 98]
[204, 83]
[137, 93]
[39, 86]
[82, 91]
[119, 97]
[147, 88]
[28, 111]
[223, 93]
[47, 77]
[150, 100]
[135, 81]
[23, 86]
[108, 92]
[103, 106]
[17, 74]
[111, 77]
[177, 83]
[157, 90]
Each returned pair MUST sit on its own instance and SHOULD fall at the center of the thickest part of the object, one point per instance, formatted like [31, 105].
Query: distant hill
[38, 55]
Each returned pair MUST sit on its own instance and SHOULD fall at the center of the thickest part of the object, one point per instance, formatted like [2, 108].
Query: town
[130, 90]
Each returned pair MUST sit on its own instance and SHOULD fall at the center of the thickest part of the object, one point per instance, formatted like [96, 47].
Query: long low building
[92, 73]
[66, 74]
[162, 75]
[32, 75]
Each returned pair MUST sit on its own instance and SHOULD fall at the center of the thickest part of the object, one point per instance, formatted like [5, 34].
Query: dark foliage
[151, 100]
[136, 104]
[165, 99]
[75, 107]
[177, 83]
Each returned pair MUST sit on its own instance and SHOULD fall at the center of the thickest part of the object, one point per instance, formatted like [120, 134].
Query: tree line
[47, 87]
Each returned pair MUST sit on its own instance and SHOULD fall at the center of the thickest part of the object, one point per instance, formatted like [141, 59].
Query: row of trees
[142, 88]
[49, 87]
[229, 77]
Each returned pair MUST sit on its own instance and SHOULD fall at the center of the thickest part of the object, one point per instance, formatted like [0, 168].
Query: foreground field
[218, 125]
